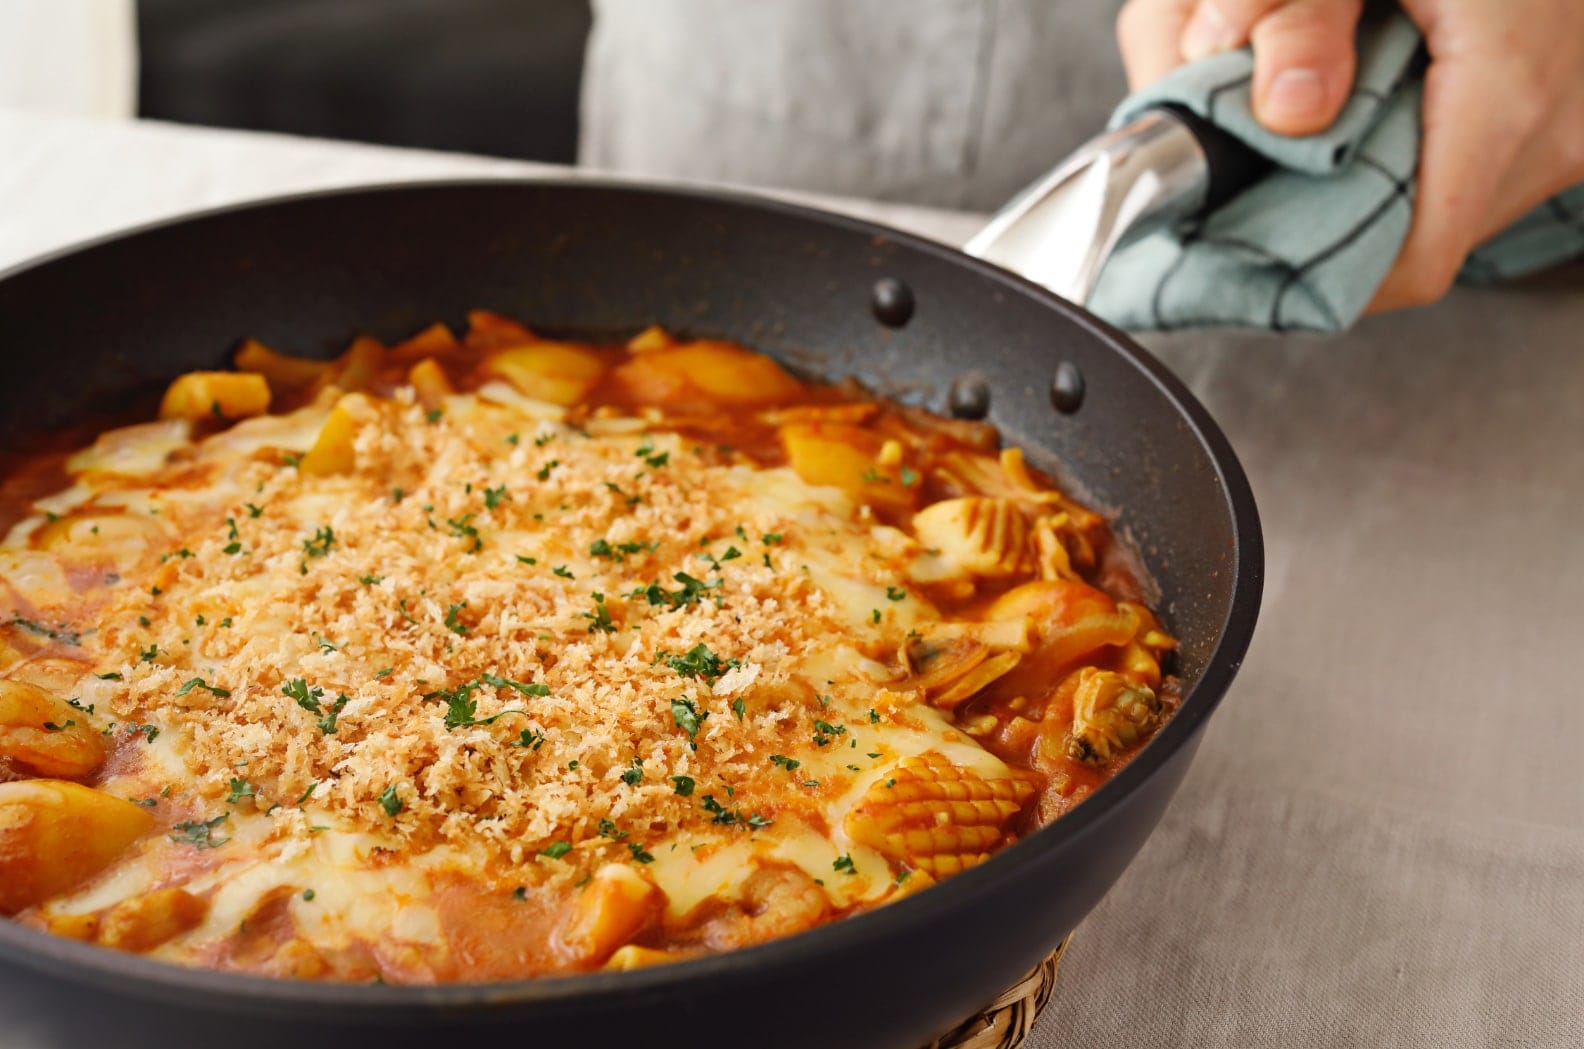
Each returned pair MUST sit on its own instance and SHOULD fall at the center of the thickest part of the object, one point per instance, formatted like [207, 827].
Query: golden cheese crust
[497, 657]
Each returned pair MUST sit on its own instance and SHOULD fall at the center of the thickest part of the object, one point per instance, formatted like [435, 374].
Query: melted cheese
[482, 569]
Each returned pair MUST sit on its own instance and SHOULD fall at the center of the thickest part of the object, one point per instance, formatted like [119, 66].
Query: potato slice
[282, 370]
[332, 451]
[560, 373]
[705, 374]
[613, 907]
[216, 395]
[430, 382]
[847, 457]
[55, 835]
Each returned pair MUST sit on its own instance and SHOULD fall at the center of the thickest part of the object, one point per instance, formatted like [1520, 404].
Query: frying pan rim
[53, 955]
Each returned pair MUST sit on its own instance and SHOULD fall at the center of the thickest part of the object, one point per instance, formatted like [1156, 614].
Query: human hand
[1503, 113]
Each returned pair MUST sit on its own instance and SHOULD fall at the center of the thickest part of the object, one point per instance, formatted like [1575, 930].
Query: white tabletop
[1382, 840]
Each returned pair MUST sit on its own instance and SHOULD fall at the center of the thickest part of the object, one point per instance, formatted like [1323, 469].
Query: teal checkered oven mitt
[1306, 246]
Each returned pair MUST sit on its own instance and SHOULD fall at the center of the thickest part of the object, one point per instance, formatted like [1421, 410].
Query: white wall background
[76, 57]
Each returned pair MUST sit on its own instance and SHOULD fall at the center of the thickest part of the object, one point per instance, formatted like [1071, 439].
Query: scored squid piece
[45, 734]
[983, 536]
[938, 817]
[54, 835]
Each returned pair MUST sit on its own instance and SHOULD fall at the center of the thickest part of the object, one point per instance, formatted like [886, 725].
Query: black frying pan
[88, 330]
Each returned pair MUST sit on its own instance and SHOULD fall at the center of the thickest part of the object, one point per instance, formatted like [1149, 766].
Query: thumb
[1304, 62]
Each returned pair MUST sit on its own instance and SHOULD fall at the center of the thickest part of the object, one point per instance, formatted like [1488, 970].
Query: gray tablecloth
[1382, 841]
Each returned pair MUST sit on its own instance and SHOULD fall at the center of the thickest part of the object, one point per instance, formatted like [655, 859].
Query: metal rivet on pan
[969, 397]
[1067, 388]
[892, 302]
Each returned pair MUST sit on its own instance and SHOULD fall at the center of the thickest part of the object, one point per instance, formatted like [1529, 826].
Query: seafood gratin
[491, 657]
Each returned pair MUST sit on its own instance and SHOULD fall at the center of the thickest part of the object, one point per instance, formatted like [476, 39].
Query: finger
[1148, 32]
[1471, 142]
[1221, 25]
[1304, 61]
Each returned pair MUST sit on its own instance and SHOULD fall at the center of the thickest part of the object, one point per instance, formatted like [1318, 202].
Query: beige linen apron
[955, 103]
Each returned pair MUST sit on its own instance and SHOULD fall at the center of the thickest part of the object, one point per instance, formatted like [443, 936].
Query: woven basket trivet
[1005, 1022]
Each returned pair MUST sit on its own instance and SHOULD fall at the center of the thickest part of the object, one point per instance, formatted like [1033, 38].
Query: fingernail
[1207, 33]
[1294, 95]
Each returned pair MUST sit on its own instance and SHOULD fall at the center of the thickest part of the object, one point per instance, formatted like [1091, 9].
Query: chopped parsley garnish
[149, 654]
[451, 619]
[608, 829]
[527, 560]
[462, 708]
[114, 675]
[389, 801]
[240, 788]
[619, 552]
[309, 792]
[646, 452]
[875, 613]
[731, 817]
[433, 415]
[77, 704]
[200, 833]
[149, 732]
[493, 497]
[529, 739]
[327, 724]
[320, 544]
[688, 718]
[896, 593]
[563, 571]
[632, 500]
[692, 589]
[253, 511]
[462, 528]
[520, 893]
[683, 785]
[909, 477]
[698, 662]
[824, 730]
[873, 476]
[638, 852]
[198, 682]
[785, 762]
[292, 459]
[556, 849]
[844, 863]
[306, 695]
[544, 471]
[50, 726]
[543, 439]
[633, 775]
[739, 708]
[600, 619]
[771, 538]
[60, 633]
[527, 688]
[720, 812]
[874, 716]
[307, 895]
[371, 580]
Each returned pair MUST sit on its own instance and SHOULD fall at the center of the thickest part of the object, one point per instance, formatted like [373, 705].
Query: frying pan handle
[1165, 166]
